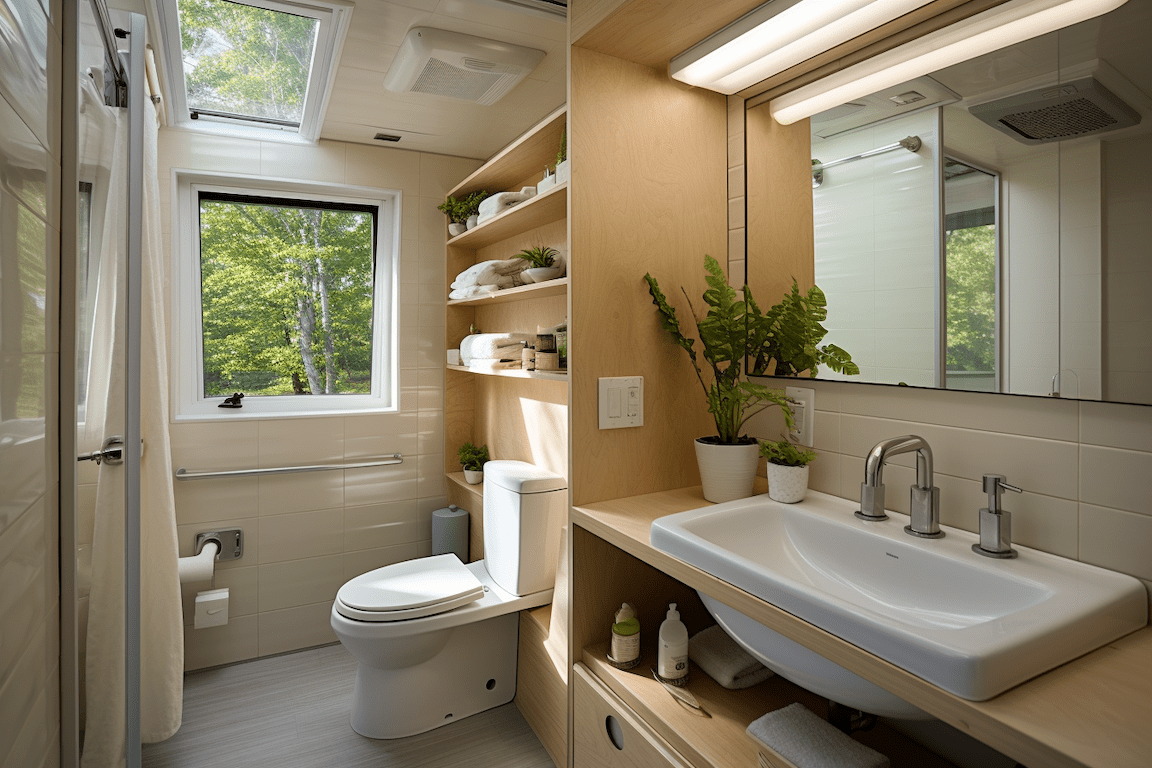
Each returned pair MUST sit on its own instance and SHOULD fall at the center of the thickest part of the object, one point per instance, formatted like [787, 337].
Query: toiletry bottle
[626, 638]
[672, 664]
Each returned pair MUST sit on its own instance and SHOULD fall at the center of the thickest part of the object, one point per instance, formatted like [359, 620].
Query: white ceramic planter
[727, 471]
[787, 485]
[541, 274]
[455, 229]
[563, 172]
[474, 476]
[473, 220]
[545, 184]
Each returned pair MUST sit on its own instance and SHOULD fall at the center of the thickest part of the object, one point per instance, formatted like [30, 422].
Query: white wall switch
[804, 413]
[621, 402]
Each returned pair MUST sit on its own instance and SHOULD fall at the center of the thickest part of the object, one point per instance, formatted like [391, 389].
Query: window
[260, 68]
[285, 294]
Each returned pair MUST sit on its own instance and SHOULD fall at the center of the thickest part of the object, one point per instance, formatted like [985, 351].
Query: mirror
[989, 227]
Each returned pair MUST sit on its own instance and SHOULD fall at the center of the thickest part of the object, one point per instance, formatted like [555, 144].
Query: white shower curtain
[162, 639]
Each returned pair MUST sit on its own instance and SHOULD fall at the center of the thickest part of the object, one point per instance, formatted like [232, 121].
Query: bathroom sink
[971, 625]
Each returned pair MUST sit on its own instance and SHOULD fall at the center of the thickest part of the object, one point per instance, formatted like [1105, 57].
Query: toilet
[435, 639]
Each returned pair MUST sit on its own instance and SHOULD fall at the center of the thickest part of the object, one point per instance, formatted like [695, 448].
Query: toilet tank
[524, 510]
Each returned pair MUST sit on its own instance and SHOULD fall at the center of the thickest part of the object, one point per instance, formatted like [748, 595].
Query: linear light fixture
[778, 35]
[996, 28]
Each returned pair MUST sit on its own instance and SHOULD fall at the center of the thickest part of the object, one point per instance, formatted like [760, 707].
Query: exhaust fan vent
[1081, 108]
[459, 66]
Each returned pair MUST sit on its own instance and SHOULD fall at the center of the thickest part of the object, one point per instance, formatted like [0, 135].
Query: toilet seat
[409, 590]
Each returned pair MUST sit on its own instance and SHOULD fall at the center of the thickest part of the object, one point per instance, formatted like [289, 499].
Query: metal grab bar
[910, 143]
[183, 474]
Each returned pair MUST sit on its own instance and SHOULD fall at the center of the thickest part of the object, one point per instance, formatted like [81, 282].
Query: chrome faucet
[925, 507]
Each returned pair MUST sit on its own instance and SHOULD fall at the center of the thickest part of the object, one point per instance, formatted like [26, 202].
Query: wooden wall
[649, 192]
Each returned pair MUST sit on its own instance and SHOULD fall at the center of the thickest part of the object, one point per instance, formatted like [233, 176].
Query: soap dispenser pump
[996, 522]
[672, 660]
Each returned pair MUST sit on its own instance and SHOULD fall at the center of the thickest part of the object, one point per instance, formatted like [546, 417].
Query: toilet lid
[410, 589]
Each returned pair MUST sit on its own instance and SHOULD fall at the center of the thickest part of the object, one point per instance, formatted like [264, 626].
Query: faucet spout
[925, 501]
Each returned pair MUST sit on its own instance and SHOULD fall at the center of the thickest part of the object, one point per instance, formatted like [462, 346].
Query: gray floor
[292, 712]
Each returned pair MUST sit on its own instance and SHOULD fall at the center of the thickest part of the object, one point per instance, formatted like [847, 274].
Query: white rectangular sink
[971, 625]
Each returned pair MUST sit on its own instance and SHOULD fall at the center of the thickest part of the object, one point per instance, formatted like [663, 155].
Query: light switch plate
[621, 402]
[804, 414]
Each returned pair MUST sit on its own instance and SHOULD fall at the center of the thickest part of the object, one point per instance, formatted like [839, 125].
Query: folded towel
[725, 662]
[502, 201]
[473, 291]
[505, 273]
[493, 365]
[483, 346]
[799, 736]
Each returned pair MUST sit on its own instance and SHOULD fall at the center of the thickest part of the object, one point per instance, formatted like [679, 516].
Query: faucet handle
[994, 485]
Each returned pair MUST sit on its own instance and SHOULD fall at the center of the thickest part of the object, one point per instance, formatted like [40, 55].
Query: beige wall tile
[381, 525]
[301, 535]
[440, 173]
[824, 473]
[736, 212]
[211, 446]
[736, 244]
[324, 161]
[1114, 478]
[1116, 426]
[294, 628]
[301, 492]
[295, 442]
[300, 582]
[384, 168]
[356, 563]
[735, 188]
[375, 485]
[1118, 540]
[23, 686]
[205, 152]
[235, 641]
[201, 501]
[380, 434]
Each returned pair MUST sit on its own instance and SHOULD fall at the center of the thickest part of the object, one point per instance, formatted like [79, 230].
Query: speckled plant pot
[474, 476]
[787, 485]
[727, 472]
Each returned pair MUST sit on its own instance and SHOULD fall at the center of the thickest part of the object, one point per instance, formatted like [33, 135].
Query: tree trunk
[325, 313]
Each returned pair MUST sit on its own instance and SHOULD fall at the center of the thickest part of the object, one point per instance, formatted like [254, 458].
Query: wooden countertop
[1093, 712]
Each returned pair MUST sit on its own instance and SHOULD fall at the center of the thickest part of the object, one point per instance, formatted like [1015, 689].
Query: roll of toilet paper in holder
[211, 606]
[201, 566]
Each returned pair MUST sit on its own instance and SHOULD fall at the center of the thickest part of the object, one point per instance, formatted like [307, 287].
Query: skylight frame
[334, 17]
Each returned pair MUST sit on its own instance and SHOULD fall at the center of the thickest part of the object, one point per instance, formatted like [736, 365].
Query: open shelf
[525, 156]
[557, 287]
[458, 478]
[515, 373]
[720, 740]
[535, 212]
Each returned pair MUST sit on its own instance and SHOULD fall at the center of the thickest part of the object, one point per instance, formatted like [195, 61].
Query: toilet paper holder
[230, 541]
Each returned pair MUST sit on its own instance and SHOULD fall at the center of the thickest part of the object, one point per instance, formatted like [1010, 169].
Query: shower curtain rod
[183, 474]
[108, 37]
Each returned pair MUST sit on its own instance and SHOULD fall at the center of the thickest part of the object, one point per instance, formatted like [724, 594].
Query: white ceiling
[360, 106]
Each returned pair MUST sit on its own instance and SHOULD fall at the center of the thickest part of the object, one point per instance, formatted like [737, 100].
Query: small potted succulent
[457, 213]
[543, 261]
[472, 207]
[787, 470]
[472, 460]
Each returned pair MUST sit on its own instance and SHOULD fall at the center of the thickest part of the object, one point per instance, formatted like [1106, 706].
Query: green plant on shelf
[786, 454]
[539, 256]
[471, 457]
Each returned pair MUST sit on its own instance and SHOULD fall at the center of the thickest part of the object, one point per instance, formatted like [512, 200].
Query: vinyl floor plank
[292, 711]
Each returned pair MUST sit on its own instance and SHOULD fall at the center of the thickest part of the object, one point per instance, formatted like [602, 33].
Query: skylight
[255, 67]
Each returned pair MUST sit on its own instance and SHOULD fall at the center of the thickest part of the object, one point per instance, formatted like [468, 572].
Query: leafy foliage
[786, 454]
[472, 202]
[246, 60]
[539, 256]
[789, 332]
[471, 457]
[287, 299]
[562, 155]
[455, 210]
[724, 336]
[971, 299]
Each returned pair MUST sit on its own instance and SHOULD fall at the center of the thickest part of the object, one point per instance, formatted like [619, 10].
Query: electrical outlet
[804, 414]
[621, 402]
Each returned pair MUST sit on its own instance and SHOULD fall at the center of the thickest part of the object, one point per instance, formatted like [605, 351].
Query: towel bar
[183, 474]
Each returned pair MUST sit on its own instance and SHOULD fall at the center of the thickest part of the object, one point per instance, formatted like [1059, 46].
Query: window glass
[244, 61]
[286, 295]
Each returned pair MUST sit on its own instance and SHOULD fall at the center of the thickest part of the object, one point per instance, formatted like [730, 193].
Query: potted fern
[728, 459]
[471, 205]
[785, 338]
[543, 261]
[472, 460]
[457, 213]
[787, 470]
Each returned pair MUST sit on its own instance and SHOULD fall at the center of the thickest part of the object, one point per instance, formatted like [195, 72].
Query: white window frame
[187, 347]
[335, 17]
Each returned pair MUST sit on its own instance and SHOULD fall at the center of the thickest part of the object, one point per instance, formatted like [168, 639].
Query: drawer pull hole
[615, 733]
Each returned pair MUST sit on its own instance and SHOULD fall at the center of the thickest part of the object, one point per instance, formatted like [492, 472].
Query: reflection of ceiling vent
[553, 8]
[459, 66]
[1068, 111]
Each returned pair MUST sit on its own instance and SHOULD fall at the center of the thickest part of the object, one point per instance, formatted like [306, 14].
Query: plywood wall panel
[649, 181]
[524, 420]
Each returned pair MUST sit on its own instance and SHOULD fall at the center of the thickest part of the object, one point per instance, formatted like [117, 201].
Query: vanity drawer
[608, 734]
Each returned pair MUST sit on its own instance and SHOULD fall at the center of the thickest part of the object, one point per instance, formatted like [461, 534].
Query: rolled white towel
[496, 204]
[483, 346]
[725, 662]
[799, 736]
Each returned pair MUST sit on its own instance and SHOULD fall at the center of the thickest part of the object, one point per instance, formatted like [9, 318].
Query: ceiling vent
[553, 8]
[1068, 111]
[459, 66]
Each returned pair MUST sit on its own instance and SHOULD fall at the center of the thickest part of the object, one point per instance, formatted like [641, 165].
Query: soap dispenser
[672, 661]
[995, 522]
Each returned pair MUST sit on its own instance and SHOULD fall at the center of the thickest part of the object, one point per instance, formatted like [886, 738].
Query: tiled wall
[737, 239]
[876, 249]
[306, 534]
[29, 364]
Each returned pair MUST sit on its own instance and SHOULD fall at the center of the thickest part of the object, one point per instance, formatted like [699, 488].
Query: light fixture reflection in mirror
[1013, 252]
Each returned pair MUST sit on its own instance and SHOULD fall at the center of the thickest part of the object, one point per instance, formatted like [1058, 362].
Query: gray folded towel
[724, 661]
[798, 735]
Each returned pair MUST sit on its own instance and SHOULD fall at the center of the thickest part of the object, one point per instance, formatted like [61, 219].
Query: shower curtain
[162, 639]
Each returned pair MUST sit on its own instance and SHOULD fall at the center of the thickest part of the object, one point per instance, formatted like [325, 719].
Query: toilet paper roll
[199, 568]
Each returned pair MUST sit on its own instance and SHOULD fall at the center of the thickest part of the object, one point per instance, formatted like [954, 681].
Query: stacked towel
[502, 274]
[495, 205]
[725, 662]
[471, 291]
[493, 346]
[493, 365]
[799, 736]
